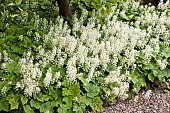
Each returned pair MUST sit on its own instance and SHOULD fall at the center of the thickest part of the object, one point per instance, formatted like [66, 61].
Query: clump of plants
[48, 64]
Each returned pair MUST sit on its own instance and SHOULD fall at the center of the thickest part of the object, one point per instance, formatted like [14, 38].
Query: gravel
[151, 101]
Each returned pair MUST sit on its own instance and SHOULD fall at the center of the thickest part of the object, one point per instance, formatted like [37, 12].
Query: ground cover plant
[107, 52]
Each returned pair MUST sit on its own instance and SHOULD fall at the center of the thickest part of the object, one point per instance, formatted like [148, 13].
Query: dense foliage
[108, 51]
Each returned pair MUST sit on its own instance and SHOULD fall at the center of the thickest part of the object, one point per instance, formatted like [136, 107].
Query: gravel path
[151, 101]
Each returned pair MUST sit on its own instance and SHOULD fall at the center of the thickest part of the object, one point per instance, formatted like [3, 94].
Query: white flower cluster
[121, 91]
[71, 69]
[158, 24]
[48, 78]
[5, 59]
[115, 77]
[148, 52]
[30, 74]
[163, 5]
[3, 90]
[162, 63]
[47, 111]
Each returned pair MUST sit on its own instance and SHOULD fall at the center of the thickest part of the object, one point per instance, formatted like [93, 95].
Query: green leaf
[102, 11]
[161, 78]
[68, 100]
[92, 90]
[14, 15]
[13, 100]
[65, 92]
[79, 108]
[124, 17]
[4, 46]
[16, 49]
[2, 84]
[34, 103]
[27, 109]
[100, 80]
[165, 73]
[109, 5]
[66, 83]
[46, 106]
[14, 103]
[83, 80]
[155, 73]
[63, 108]
[112, 98]
[12, 38]
[43, 107]
[142, 81]
[84, 100]
[63, 73]
[13, 67]
[138, 78]
[134, 77]
[151, 77]
[24, 100]
[27, 43]
[152, 65]
[96, 104]
[54, 93]
[47, 97]
[18, 2]
[4, 105]
[10, 4]
[110, 67]
[75, 89]
[137, 87]
[130, 16]
[55, 103]
[166, 53]
[39, 97]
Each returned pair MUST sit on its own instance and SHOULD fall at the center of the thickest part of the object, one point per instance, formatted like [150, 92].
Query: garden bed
[107, 51]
